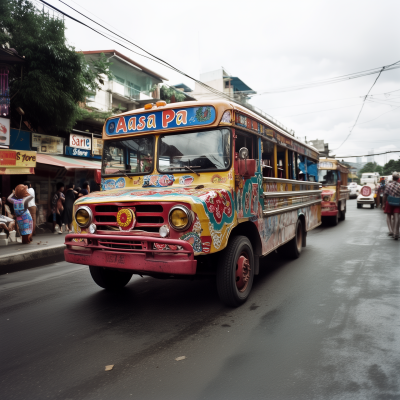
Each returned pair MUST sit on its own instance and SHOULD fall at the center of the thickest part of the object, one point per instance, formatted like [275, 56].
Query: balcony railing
[128, 92]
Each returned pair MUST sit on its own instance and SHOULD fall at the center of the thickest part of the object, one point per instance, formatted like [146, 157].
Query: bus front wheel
[235, 271]
[109, 278]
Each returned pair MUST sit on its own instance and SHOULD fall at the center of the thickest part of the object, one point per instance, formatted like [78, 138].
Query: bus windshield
[130, 156]
[327, 177]
[200, 151]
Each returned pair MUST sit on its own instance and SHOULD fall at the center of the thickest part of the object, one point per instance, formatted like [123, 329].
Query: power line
[329, 81]
[363, 103]
[378, 116]
[313, 112]
[368, 155]
[166, 64]
[152, 57]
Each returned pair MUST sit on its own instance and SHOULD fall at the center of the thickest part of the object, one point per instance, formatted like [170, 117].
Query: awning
[17, 171]
[68, 163]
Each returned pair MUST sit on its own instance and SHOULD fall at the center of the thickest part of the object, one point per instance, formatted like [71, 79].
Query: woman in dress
[70, 196]
[20, 199]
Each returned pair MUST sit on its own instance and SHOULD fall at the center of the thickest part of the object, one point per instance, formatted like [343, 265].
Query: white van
[369, 178]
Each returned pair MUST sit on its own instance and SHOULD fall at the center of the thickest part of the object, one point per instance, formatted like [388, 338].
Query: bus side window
[248, 141]
[267, 158]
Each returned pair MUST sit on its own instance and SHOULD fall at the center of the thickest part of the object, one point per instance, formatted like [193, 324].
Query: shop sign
[48, 144]
[80, 141]
[74, 152]
[14, 162]
[15, 158]
[4, 132]
[97, 149]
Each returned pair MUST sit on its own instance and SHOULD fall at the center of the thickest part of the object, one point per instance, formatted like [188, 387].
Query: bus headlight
[326, 198]
[83, 216]
[180, 218]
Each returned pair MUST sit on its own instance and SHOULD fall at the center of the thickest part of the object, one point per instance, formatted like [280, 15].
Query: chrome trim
[291, 208]
[292, 194]
[186, 211]
[90, 216]
[292, 181]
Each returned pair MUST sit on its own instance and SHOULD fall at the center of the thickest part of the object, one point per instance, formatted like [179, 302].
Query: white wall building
[132, 84]
[223, 82]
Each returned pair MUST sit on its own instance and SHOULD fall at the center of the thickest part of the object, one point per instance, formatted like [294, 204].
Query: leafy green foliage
[166, 93]
[370, 167]
[55, 77]
[390, 167]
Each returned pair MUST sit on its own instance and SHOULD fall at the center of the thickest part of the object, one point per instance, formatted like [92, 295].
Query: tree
[55, 77]
[370, 167]
[170, 94]
[390, 167]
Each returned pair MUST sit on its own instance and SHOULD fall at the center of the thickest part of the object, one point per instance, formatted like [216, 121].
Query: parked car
[354, 189]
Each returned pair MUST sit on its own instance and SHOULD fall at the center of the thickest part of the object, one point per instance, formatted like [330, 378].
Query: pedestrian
[5, 208]
[58, 208]
[70, 196]
[85, 188]
[391, 200]
[6, 223]
[381, 190]
[32, 206]
[78, 192]
[20, 199]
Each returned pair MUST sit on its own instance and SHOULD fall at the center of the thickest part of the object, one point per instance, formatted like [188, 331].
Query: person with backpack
[58, 208]
[391, 200]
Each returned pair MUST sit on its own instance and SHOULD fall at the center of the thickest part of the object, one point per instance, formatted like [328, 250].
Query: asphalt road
[325, 326]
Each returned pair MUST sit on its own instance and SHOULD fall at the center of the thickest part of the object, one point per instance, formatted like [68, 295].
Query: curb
[31, 258]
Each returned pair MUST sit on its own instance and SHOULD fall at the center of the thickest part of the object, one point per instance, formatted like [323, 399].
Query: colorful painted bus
[195, 189]
[333, 177]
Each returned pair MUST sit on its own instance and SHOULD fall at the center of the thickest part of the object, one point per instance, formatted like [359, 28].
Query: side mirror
[246, 167]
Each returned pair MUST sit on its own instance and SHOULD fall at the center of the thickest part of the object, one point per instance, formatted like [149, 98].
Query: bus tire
[292, 249]
[109, 278]
[335, 219]
[235, 272]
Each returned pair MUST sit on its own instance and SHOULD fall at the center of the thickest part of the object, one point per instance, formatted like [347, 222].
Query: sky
[271, 45]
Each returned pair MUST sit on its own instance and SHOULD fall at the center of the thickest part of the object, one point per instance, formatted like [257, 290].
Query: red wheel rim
[243, 269]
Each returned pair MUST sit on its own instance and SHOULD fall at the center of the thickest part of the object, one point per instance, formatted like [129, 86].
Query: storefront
[51, 169]
[55, 159]
[15, 165]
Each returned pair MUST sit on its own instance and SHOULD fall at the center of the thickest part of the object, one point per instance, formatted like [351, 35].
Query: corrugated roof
[145, 69]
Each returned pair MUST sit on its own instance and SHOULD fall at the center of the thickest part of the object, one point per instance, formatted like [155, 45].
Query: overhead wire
[369, 155]
[152, 56]
[329, 81]
[363, 103]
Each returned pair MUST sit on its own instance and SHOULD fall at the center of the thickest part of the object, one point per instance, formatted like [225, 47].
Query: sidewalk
[45, 248]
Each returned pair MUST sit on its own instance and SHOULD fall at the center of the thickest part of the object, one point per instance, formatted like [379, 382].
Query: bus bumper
[330, 213]
[139, 254]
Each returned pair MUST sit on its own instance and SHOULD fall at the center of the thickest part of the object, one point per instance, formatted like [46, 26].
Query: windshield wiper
[186, 167]
[190, 169]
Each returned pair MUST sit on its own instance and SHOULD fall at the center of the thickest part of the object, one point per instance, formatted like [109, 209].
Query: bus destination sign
[161, 119]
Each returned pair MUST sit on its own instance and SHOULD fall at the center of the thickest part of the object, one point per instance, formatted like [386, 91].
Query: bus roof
[191, 115]
[332, 163]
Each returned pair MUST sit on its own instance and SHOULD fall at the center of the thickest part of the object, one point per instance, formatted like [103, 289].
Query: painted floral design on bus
[158, 180]
[186, 180]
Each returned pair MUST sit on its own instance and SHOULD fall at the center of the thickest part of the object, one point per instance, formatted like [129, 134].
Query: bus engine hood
[211, 207]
